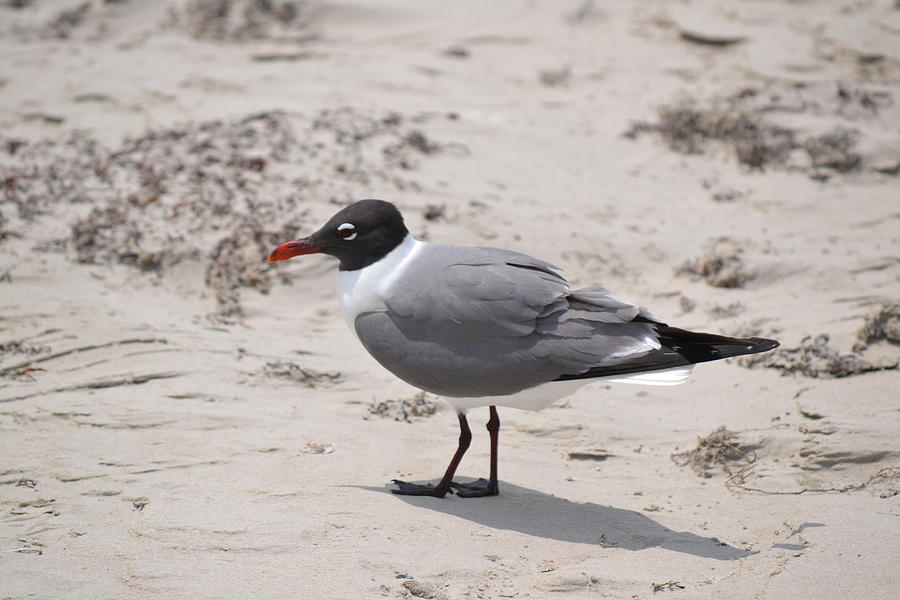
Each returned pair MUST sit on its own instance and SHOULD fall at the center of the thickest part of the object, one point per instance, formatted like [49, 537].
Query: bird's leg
[443, 486]
[481, 487]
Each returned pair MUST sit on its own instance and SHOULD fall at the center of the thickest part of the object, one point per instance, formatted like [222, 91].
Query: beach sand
[179, 419]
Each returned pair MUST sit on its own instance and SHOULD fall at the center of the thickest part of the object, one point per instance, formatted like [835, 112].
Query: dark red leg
[480, 488]
[441, 489]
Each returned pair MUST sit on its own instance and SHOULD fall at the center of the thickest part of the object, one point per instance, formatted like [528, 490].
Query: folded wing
[487, 322]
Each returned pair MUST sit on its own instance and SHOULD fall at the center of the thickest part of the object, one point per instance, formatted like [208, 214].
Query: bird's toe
[475, 489]
[417, 489]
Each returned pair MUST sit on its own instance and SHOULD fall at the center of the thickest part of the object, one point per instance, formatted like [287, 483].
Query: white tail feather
[674, 376]
[542, 395]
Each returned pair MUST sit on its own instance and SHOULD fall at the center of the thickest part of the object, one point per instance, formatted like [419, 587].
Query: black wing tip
[762, 345]
[730, 349]
[717, 348]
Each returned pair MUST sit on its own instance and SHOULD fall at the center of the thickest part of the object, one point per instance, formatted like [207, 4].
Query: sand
[181, 420]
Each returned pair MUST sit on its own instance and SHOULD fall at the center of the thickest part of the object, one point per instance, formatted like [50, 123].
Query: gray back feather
[475, 293]
[486, 322]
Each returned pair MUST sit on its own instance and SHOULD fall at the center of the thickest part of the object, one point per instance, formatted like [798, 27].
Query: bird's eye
[347, 231]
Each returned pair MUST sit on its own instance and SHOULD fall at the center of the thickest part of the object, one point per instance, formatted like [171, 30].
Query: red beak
[296, 248]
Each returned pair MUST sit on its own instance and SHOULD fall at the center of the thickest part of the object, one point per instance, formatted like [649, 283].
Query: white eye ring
[345, 227]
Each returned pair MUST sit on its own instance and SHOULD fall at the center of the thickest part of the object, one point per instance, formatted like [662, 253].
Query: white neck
[364, 290]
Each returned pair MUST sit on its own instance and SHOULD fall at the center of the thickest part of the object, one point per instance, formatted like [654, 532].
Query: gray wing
[466, 293]
[489, 322]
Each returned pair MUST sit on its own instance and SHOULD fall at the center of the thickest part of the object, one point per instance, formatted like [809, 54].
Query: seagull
[490, 327]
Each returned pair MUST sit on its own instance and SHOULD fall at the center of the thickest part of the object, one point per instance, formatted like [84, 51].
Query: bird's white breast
[364, 290]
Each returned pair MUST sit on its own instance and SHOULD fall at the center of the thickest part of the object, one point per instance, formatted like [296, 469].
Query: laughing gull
[490, 327]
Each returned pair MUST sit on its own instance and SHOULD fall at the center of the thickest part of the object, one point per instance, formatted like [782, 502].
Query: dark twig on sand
[666, 587]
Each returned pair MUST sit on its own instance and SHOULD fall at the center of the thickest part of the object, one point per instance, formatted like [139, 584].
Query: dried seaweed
[720, 449]
[815, 357]
[241, 20]
[723, 312]
[882, 326]
[686, 127]
[234, 263]
[221, 192]
[22, 347]
[36, 177]
[435, 212]
[283, 369]
[737, 122]
[62, 24]
[404, 409]
[834, 150]
[720, 265]
[559, 77]
[668, 586]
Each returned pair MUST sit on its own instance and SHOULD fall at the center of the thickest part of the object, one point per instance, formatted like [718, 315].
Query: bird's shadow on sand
[535, 513]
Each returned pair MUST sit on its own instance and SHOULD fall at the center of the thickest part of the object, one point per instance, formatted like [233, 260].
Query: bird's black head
[358, 235]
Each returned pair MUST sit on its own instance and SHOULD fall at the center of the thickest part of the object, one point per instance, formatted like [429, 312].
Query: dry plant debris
[221, 21]
[435, 212]
[317, 448]
[293, 372]
[687, 127]
[404, 409]
[22, 347]
[558, 77]
[605, 543]
[67, 20]
[739, 123]
[222, 192]
[138, 503]
[724, 312]
[815, 357]
[834, 150]
[720, 265]
[60, 27]
[720, 448]
[241, 20]
[884, 325]
[666, 587]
